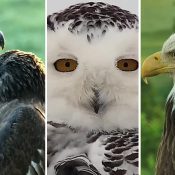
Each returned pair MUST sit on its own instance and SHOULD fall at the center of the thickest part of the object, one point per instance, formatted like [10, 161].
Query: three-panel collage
[87, 87]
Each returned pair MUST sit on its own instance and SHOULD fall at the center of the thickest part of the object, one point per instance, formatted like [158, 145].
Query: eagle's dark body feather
[166, 153]
[21, 77]
[22, 132]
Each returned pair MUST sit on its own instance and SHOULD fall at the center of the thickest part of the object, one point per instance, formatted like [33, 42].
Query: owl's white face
[96, 80]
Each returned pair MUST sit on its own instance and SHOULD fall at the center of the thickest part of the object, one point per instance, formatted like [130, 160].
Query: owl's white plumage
[70, 93]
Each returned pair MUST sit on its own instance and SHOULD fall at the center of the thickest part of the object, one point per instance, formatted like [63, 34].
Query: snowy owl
[92, 90]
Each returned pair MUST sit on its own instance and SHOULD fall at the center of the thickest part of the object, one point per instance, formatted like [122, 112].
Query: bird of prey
[158, 63]
[22, 126]
[92, 91]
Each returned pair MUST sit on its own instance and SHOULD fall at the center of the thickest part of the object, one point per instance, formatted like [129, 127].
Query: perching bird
[22, 126]
[158, 63]
[92, 91]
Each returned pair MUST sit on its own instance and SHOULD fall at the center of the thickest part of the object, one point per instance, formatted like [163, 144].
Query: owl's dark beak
[95, 103]
[2, 40]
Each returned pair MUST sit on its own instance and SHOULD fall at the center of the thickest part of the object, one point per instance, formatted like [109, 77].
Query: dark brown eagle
[22, 89]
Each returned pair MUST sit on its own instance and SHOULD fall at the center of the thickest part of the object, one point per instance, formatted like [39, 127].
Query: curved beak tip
[145, 80]
[2, 40]
[150, 66]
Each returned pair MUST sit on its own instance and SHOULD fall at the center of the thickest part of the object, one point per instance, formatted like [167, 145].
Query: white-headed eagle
[158, 63]
[22, 89]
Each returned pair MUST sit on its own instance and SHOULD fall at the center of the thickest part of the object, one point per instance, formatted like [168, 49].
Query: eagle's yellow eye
[127, 64]
[65, 65]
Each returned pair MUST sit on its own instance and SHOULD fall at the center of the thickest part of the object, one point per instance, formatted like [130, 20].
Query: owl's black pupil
[125, 64]
[67, 64]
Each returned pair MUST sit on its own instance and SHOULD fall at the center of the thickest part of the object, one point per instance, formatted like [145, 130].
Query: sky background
[56, 5]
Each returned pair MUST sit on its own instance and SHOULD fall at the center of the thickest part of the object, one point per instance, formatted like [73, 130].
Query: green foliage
[23, 24]
[157, 25]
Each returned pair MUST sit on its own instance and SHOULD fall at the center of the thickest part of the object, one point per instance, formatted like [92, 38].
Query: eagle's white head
[93, 67]
[161, 62]
[168, 55]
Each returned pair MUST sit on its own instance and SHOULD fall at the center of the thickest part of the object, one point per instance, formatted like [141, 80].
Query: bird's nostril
[156, 58]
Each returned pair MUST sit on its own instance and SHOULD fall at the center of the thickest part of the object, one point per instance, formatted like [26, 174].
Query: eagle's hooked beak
[2, 40]
[155, 65]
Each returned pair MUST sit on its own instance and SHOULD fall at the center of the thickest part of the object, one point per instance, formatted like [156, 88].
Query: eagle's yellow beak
[154, 65]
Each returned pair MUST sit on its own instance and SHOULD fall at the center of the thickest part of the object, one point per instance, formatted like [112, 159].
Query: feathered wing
[21, 139]
[67, 152]
[22, 76]
[115, 152]
[92, 152]
[166, 152]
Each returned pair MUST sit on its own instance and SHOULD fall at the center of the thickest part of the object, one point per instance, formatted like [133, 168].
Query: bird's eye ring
[127, 64]
[65, 65]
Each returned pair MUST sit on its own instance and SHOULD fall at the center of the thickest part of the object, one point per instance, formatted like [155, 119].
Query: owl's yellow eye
[127, 64]
[65, 65]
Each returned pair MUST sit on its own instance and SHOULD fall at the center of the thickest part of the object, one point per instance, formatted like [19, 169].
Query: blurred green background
[23, 24]
[157, 24]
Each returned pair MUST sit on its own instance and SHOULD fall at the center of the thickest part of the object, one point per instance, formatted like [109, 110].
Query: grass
[23, 24]
[158, 23]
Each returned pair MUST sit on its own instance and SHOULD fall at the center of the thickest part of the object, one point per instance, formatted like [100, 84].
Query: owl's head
[92, 74]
